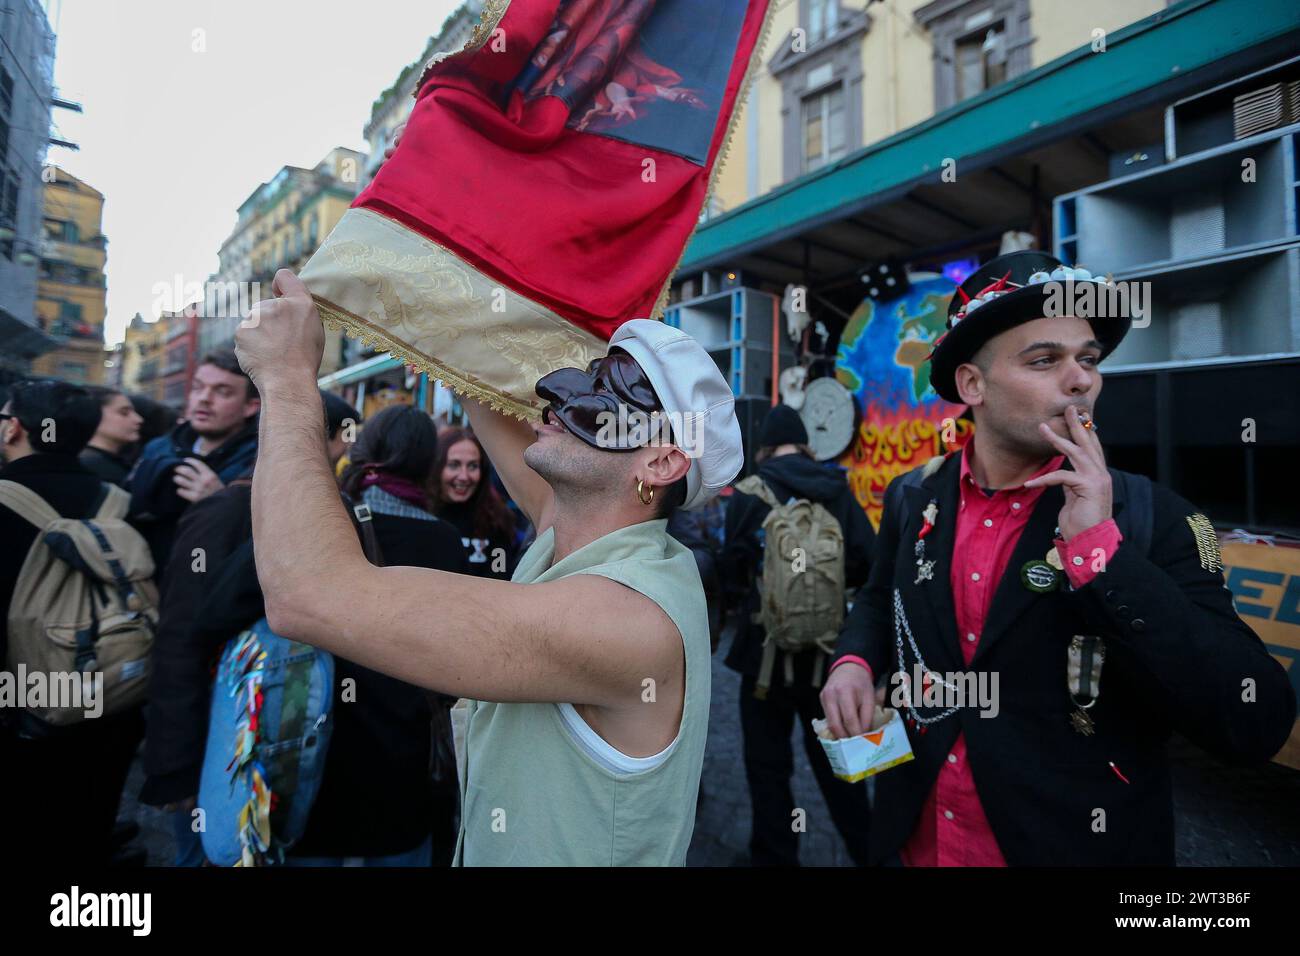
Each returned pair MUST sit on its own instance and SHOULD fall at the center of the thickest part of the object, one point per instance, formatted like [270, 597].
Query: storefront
[1171, 160]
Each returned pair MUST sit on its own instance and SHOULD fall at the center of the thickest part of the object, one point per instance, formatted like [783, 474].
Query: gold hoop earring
[640, 493]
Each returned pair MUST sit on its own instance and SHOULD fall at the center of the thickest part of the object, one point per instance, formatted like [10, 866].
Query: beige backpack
[83, 613]
[802, 587]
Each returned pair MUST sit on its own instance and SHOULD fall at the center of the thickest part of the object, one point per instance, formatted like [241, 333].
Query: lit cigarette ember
[1086, 421]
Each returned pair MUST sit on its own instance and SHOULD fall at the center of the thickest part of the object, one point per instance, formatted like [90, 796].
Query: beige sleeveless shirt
[533, 794]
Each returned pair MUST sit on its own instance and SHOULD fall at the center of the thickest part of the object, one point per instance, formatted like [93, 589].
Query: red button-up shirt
[953, 830]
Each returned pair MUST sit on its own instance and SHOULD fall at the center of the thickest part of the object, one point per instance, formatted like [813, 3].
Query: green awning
[360, 371]
[1143, 55]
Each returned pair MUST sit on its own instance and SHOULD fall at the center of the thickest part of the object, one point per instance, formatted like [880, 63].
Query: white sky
[176, 139]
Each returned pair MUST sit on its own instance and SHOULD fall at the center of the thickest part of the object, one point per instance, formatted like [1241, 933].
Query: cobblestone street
[722, 821]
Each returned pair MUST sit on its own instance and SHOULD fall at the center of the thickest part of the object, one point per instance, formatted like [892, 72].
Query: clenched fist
[282, 337]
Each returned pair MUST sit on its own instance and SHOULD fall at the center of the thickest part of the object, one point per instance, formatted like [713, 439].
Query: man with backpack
[1090, 601]
[795, 539]
[75, 636]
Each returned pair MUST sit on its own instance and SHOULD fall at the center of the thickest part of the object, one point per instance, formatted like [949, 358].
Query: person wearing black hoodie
[787, 466]
[388, 793]
[118, 431]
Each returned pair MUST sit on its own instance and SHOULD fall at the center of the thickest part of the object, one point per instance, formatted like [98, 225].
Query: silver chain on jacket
[901, 627]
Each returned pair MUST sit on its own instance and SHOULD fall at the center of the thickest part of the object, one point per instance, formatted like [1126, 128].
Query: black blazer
[1177, 655]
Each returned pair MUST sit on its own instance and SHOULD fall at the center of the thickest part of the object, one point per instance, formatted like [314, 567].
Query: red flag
[547, 182]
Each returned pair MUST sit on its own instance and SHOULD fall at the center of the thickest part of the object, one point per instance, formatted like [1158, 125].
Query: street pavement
[723, 818]
[1225, 816]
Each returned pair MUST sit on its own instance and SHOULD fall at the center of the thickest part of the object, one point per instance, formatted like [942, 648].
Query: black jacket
[155, 506]
[1177, 655]
[376, 797]
[375, 794]
[698, 529]
[481, 554]
[798, 476]
[201, 609]
[109, 467]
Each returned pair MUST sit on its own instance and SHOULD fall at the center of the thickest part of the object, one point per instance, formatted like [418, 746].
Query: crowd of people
[389, 792]
[546, 585]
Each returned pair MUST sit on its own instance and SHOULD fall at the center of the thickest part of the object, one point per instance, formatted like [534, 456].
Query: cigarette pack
[885, 745]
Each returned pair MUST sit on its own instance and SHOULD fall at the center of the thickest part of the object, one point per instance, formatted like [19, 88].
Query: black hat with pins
[1016, 288]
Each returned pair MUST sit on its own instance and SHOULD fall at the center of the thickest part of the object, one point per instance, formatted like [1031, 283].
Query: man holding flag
[547, 181]
[589, 671]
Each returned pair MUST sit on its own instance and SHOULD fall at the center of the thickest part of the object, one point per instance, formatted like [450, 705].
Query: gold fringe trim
[489, 20]
[742, 95]
[461, 383]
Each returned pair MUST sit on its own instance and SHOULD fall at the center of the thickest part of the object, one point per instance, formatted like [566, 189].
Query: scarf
[396, 486]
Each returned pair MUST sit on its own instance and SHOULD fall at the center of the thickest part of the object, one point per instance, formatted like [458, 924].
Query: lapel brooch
[924, 567]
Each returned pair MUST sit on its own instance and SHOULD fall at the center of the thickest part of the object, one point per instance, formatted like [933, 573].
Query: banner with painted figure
[882, 361]
[548, 180]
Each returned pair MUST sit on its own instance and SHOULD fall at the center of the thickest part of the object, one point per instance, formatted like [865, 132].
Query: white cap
[691, 390]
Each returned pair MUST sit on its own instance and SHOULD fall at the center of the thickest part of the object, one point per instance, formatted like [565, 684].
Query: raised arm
[564, 641]
[505, 438]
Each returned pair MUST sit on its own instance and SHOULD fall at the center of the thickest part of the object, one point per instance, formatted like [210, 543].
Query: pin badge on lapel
[1039, 577]
[924, 567]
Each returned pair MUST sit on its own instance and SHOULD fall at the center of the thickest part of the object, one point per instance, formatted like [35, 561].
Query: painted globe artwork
[882, 360]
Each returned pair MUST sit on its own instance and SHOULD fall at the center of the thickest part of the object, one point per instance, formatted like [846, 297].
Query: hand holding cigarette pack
[855, 758]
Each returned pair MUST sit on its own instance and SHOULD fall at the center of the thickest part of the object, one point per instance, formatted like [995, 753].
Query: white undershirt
[601, 751]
